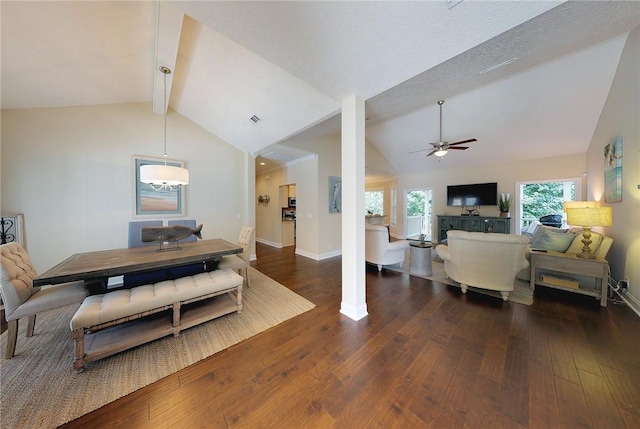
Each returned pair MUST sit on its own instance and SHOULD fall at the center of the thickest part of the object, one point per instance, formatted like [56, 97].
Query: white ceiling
[291, 64]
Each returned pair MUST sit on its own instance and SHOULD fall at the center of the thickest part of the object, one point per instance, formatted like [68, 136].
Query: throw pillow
[541, 229]
[532, 227]
[553, 241]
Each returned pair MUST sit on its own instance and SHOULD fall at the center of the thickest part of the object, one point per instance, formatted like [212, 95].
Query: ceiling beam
[168, 30]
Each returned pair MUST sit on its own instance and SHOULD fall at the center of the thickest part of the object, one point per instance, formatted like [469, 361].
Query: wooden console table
[563, 263]
[447, 223]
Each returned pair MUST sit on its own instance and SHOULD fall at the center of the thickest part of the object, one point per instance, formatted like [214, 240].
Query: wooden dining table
[98, 266]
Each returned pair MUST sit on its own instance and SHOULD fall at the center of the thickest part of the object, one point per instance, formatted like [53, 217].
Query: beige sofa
[484, 260]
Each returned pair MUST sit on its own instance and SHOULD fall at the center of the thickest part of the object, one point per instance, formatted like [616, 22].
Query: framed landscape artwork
[335, 195]
[613, 171]
[149, 202]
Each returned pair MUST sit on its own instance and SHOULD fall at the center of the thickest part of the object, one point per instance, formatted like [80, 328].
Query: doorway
[419, 213]
[288, 206]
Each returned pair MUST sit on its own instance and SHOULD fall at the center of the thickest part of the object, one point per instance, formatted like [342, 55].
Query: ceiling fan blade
[416, 151]
[459, 148]
[435, 147]
[432, 152]
[463, 142]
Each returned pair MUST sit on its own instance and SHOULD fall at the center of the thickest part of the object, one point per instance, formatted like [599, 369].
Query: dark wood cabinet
[472, 224]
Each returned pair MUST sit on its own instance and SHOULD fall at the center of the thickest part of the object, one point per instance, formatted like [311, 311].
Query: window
[394, 205]
[419, 206]
[541, 198]
[374, 201]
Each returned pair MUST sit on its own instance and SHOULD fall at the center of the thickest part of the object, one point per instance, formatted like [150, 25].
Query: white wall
[69, 170]
[569, 166]
[621, 117]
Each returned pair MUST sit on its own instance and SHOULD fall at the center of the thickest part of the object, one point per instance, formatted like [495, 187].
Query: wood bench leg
[239, 298]
[78, 359]
[176, 319]
[31, 325]
[12, 337]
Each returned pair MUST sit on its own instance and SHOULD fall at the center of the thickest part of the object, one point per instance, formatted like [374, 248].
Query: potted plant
[504, 204]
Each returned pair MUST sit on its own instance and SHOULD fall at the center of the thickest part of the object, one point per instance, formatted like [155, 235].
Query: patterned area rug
[521, 294]
[41, 390]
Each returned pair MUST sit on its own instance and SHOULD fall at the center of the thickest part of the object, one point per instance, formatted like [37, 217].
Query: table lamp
[588, 217]
[579, 204]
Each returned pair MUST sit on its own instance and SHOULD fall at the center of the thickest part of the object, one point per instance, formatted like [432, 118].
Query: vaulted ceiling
[292, 63]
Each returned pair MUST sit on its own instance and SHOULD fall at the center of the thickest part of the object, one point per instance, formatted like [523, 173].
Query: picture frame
[335, 194]
[613, 171]
[151, 203]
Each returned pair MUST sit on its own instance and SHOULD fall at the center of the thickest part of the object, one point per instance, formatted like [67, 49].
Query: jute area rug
[41, 390]
[521, 294]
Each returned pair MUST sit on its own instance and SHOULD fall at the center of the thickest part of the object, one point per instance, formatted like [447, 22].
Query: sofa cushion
[552, 240]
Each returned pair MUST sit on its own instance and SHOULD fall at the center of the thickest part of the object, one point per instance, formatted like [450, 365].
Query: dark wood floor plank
[572, 405]
[561, 356]
[495, 355]
[543, 405]
[514, 400]
[602, 407]
[427, 403]
[425, 356]
[393, 409]
[626, 395]
[483, 403]
[454, 404]
[418, 371]
[538, 336]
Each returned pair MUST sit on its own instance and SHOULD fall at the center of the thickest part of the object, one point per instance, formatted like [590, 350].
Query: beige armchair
[379, 250]
[484, 260]
[240, 261]
[21, 299]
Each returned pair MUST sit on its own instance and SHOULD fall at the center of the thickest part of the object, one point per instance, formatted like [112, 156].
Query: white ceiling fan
[442, 147]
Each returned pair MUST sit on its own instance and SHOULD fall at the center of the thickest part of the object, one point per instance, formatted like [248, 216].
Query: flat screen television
[478, 194]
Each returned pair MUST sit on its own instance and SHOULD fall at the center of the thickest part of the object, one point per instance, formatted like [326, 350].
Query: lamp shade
[589, 216]
[579, 205]
[440, 152]
[164, 175]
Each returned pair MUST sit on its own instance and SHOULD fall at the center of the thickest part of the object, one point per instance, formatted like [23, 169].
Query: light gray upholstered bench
[109, 323]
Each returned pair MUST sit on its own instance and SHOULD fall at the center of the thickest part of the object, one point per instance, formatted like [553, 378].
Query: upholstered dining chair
[21, 299]
[240, 261]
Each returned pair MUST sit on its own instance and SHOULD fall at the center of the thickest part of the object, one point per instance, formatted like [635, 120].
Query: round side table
[420, 254]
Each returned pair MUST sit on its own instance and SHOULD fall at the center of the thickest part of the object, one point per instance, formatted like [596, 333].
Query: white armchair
[379, 251]
[484, 260]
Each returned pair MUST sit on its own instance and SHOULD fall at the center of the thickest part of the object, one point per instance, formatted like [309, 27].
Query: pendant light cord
[165, 108]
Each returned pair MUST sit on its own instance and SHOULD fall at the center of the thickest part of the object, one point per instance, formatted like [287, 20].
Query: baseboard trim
[318, 257]
[632, 302]
[269, 243]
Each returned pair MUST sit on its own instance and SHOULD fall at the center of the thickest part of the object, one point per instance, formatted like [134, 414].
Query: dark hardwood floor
[425, 356]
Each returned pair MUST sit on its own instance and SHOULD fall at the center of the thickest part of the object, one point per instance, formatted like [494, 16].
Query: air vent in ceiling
[254, 119]
[497, 66]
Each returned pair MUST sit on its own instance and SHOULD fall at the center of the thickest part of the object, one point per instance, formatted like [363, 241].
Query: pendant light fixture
[164, 177]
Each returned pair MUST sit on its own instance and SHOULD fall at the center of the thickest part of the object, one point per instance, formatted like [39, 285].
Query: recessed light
[263, 163]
